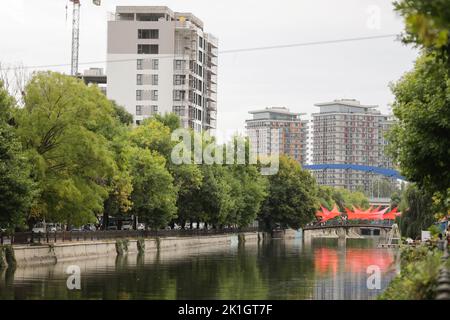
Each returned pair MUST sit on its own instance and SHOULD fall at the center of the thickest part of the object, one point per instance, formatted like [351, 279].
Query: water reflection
[272, 270]
[341, 272]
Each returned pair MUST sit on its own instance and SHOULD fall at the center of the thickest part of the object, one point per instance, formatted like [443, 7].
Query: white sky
[37, 33]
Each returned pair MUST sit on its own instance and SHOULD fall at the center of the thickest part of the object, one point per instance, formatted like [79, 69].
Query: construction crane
[76, 33]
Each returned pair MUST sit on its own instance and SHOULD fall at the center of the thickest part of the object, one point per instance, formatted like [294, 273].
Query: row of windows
[140, 95]
[153, 64]
[144, 79]
[153, 109]
[140, 109]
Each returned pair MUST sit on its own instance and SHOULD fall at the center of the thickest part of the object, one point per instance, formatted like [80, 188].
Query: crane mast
[75, 36]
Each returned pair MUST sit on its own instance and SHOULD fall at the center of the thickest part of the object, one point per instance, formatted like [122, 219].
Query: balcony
[211, 96]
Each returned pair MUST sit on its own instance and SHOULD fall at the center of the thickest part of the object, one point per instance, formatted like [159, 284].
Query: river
[277, 269]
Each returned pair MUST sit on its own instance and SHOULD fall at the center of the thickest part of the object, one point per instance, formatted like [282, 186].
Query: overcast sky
[37, 33]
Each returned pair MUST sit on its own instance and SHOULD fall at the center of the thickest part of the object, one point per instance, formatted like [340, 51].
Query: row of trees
[69, 155]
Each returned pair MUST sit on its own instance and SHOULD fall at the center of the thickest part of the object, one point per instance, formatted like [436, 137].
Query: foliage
[434, 230]
[419, 140]
[141, 245]
[66, 128]
[154, 195]
[418, 277]
[10, 256]
[292, 197]
[121, 114]
[17, 190]
[427, 24]
[417, 214]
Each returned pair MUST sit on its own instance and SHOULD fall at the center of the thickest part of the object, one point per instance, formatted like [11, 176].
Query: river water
[277, 269]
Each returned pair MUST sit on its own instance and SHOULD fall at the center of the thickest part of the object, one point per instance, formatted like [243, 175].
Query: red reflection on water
[357, 260]
[326, 260]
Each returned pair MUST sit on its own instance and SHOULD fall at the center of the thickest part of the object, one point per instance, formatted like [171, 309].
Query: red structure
[358, 214]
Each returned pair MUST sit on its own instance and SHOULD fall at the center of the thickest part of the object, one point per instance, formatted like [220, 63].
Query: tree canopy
[292, 197]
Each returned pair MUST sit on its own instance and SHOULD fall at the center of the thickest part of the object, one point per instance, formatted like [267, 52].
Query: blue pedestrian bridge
[390, 173]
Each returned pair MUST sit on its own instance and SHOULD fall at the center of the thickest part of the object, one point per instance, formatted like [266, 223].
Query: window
[148, 49]
[178, 80]
[154, 79]
[139, 64]
[138, 95]
[154, 95]
[148, 34]
[155, 64]
[179, 110]
[139, 110]
[178, 64]
[139, 79]
[178, 95]
[154, 109]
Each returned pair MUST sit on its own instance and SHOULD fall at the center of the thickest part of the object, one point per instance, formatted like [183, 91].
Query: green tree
[170, 120]
[427, 24]
[292, 197]
[154, 195]
[17, 190]
[66, 128]
[249, 187]
[417, 213]
[419, 140]
[121, 114]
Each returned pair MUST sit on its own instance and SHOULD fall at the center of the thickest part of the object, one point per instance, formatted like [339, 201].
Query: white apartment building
[278, 130]
[160, 61]
[347, 132]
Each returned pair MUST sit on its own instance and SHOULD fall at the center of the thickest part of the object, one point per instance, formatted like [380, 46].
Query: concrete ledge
[59, 252]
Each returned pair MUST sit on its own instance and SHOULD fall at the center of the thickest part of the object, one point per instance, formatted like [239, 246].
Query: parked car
[112, 227]
[39, 228]
[89, 227]
[140, 226]
[128, 225]
[51, 227]
[76, 229]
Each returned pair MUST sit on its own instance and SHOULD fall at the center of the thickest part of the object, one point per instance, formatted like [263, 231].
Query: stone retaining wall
[60, 252]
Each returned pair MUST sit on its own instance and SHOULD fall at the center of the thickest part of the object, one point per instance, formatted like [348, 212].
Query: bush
[10, 256]
[2, 258]
[141, 245]
[121, 247]
[418, 278]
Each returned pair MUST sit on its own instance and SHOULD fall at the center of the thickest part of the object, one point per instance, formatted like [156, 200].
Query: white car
[39, 228]
[51, 227]
[127, 226]
[140, 226]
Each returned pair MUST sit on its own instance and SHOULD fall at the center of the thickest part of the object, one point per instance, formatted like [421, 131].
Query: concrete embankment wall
[60, 252]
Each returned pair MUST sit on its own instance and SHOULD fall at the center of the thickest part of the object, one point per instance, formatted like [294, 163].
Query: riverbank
[60, 252]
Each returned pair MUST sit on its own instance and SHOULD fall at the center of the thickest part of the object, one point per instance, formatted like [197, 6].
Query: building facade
[347, 132]
[160, 61]
[278, 130]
